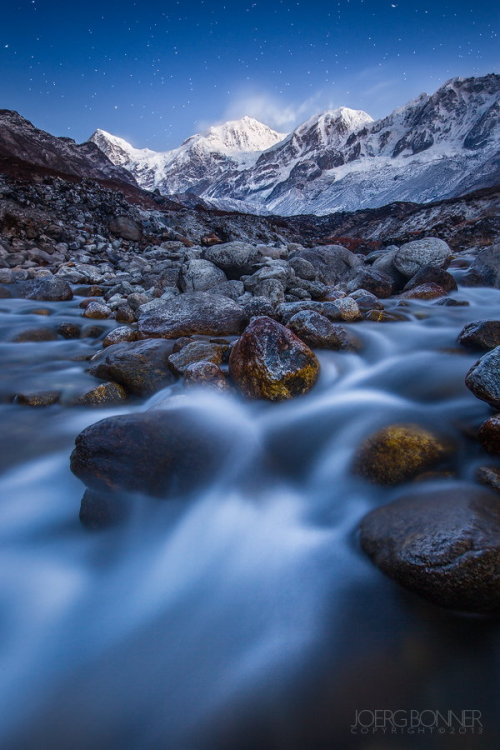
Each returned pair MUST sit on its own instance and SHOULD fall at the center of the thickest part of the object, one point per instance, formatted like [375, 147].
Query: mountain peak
[246, 135]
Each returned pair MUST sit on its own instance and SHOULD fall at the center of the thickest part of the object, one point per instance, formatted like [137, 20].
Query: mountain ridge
[435, 146]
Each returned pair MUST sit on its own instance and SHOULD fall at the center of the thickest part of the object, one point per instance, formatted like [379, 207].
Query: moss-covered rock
[270, 362]
[399, 452]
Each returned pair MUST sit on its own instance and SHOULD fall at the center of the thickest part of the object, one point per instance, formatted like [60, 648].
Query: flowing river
[246, 617]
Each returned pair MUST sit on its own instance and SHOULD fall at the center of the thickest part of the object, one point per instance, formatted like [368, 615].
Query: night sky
[156, 72]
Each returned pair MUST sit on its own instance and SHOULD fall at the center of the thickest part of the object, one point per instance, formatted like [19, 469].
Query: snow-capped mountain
[435, 147]
[202, 158]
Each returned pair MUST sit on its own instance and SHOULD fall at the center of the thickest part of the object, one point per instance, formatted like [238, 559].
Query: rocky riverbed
[211, 449]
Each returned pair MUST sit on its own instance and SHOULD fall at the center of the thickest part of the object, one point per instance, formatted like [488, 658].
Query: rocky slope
[23, 148]
[197, 162]
[437, 146]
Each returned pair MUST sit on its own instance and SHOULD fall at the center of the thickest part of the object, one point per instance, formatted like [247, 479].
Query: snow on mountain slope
[434, 147]
[200, 159]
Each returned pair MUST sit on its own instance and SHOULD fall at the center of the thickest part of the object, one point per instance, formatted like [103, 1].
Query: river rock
[377, 282]
[50, 289]
[232, 289]
[199, 275]
[429, 290]
[269, 361]
[69, 330]
[105, 394]
[197, 351]
[97, 311]
[330, 310]
[333, 263]
[206, 374]
[384, 316]
[319, 332]
[258, 306]
[398, 453]
[120, 335]
[193, 313]
[348, 309]
[489, 435]
[483, 379]
[443, 544]
[481, 334]
[303, 268]
[33, 335]
[165, 452]
[234, 258]
[432, 274]
[412, 256]
[124, 314]
[37, 398]
[141, 367]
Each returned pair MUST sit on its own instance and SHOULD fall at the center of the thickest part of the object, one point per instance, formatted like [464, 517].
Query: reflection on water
[246, 618]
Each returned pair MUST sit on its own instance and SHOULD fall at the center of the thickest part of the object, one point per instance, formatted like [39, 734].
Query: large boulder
[432, 274]
[485, 269]
[443, 544]
[141, 367]
[165, 452]
[126, 228]
[269, 361]
[413, 256]
[234, 258]
[198, 275]
[481, 334]
[319, 332]
[193, 313]
[398, 453]
[483, 379]
[375, 281]
[50, 289]
[332, 263]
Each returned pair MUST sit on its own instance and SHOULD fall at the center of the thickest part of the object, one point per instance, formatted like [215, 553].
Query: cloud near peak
[271, 110]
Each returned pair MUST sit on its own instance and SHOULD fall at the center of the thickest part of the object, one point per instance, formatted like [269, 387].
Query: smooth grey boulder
[444, 544]
[412, 256]
[193, 313]
[332, 263]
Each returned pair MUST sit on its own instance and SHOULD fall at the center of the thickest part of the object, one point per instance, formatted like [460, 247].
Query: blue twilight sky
[155, 72]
